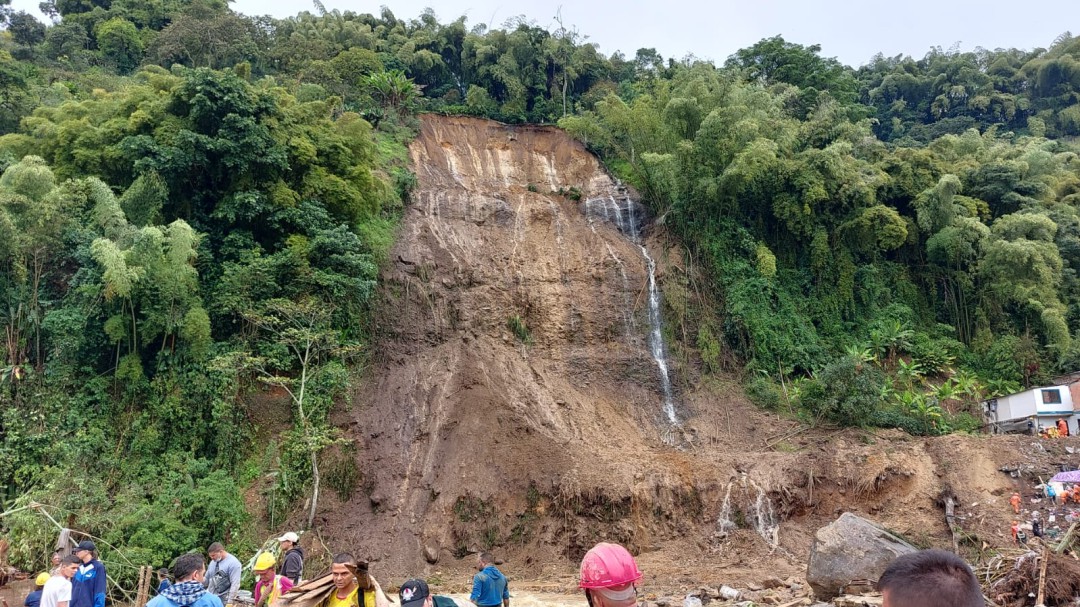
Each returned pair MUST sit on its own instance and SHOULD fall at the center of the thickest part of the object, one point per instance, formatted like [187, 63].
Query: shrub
[845, 392]
[763, 392]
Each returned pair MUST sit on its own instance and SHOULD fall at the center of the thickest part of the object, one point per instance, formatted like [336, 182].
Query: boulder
[848, 549]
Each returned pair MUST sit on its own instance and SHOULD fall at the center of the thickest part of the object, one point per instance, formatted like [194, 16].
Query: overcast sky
[849, 30]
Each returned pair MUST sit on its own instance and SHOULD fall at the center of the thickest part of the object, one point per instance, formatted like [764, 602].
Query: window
[1051, 397]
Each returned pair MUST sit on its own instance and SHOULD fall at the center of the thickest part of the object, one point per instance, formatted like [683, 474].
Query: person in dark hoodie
[292, 562]
[187, 591]
[88, 585]
[490, 588]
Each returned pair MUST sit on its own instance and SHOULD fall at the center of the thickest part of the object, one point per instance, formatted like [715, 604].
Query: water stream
[757, 508]
[623, 214]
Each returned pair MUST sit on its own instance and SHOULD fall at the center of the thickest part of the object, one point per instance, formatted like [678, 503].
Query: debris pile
[1018, 585]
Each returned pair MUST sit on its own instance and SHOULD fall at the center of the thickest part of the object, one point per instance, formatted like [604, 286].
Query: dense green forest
[194, 203]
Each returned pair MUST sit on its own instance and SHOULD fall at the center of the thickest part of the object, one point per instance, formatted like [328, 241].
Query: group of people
[609, 577]
[1058, 430]
[75, 580]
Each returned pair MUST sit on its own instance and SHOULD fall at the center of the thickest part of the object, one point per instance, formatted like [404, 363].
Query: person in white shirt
[57, 591]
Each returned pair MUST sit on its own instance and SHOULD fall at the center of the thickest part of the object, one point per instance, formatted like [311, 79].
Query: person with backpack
[223, 575]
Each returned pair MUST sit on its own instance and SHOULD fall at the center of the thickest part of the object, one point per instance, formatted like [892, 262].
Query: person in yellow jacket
[353, 587]
[268, 585]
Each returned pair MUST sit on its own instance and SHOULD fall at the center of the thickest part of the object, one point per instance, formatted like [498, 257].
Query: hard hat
[265, 561]
[608, 565]
[41, 578]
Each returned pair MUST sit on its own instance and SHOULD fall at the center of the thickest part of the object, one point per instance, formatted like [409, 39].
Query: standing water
[623, 215]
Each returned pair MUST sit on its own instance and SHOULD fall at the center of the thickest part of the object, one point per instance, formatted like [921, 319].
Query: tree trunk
[314, 488]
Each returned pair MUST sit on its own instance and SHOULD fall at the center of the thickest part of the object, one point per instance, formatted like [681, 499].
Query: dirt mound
[514, 403]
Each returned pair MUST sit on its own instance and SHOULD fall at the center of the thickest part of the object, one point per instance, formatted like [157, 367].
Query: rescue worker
[1063, 427]
[1015, 501]
[353, 587]
[34, 598]
[268, 586]
[1016, 531]
[608, 576]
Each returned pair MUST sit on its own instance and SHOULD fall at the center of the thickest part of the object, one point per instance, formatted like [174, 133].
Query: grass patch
[520, 330]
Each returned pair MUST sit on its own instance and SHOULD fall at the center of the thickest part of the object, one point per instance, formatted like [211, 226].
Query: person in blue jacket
[187, 590]
[490, 587]
[163, 580]
[88, 585]
[34, 598]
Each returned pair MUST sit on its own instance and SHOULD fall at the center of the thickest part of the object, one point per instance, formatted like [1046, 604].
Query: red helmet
[608, 565]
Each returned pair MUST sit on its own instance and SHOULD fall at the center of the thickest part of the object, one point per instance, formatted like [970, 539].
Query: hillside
[470, 439]
[261, 273]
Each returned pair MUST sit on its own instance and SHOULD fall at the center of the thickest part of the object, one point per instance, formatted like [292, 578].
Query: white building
[1043, 406]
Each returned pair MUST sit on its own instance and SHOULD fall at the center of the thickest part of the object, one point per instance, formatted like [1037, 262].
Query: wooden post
[1042, 580]
[142, 594]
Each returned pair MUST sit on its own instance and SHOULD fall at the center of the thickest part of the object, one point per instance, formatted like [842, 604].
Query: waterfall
[765, 522]
[724, 523]
[623, 215]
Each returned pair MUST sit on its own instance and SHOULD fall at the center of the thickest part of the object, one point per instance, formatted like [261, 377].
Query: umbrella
[1072, 476]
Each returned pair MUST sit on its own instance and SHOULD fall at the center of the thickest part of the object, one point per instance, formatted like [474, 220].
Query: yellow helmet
[265, 561]
[41, 578]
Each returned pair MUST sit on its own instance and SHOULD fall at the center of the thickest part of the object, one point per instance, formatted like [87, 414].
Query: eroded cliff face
[514, 403]
[515, 341]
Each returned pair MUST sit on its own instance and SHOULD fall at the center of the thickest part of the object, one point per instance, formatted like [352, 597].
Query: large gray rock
[850, 548]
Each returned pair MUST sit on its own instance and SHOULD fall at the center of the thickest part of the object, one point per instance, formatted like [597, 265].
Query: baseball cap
[289, 537]
[86, 545]
[413, 593]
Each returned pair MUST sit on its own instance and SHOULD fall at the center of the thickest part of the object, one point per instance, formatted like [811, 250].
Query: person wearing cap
[34, 598]
[223, 575]
[88, 585]
[490, 588]
[57, 590]
[609, 575]
[268, 585]
[188, 591]
[292, 565]
[415, 593]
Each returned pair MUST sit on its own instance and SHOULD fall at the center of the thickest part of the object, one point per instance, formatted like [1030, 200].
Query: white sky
[850, 30]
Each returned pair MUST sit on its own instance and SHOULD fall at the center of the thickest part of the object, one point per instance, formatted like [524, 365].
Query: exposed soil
[468, 438]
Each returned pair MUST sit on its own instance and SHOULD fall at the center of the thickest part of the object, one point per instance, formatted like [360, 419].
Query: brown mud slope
[469, 437]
